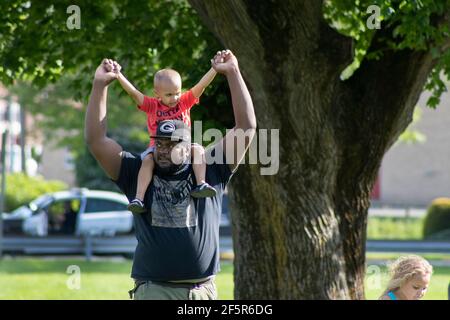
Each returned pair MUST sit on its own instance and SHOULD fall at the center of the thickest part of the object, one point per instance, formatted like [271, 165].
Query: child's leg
[144, 178]
[198, 163]
[203, 189]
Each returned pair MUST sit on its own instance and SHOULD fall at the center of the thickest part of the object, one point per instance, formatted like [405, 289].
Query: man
[70, 218]
[177, 255]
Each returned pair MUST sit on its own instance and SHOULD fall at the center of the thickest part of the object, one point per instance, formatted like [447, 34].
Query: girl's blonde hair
[404, 268]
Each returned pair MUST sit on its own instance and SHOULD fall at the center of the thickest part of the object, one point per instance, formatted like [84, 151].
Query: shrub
[21, 189]
[437, 219]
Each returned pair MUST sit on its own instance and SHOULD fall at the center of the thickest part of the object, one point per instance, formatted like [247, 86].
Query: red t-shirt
[157, 112]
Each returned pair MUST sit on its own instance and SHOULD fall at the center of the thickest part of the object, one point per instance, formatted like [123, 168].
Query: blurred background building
[26, 149]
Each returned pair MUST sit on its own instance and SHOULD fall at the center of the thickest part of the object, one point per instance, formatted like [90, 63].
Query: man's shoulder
[130, 162]
[128, 173]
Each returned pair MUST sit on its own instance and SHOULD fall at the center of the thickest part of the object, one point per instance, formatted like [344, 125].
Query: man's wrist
[233, 71]
[99, 83]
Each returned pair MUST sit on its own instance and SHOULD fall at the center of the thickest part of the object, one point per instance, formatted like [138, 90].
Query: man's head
[167, 87]
[172, 145]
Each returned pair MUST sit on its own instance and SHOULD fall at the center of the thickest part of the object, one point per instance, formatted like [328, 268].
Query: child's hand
[112, 66]
[116, 67]
[224, 61]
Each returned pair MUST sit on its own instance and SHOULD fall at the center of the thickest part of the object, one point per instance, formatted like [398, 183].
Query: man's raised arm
[236, 142]
[105, 150]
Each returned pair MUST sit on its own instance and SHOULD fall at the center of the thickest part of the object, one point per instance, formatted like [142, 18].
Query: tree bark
[300, 234]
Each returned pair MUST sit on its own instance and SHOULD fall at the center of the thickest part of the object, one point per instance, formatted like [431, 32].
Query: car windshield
[39, 202]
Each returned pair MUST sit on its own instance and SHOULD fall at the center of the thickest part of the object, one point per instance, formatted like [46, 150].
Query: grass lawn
[395, 255]
[37, 278]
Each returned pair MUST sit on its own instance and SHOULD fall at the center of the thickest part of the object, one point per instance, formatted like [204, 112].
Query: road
[127, 245]
[226, 245]
[397, 212]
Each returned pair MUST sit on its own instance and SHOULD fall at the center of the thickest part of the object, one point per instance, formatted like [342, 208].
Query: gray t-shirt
[178, 238]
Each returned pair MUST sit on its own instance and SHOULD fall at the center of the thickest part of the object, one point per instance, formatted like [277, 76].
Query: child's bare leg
[198, 163]
[203, 189]
[144, 178]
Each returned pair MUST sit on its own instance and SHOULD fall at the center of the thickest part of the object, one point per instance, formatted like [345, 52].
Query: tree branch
[402, 75]
[230, 23]
[274, 32]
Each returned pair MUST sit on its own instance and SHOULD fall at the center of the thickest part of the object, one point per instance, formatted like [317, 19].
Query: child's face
[169, 92]
[416, 287]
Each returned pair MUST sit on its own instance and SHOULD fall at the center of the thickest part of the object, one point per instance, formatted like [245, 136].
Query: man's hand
[224, 62]
[105, 72]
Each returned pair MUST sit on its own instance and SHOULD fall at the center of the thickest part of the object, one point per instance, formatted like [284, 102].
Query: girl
[410, 277]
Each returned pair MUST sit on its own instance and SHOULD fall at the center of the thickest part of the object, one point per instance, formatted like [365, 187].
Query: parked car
[73, 212]
[79, 212]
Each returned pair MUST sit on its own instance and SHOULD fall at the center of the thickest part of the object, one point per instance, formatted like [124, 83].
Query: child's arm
[198, 89]
[134, 93]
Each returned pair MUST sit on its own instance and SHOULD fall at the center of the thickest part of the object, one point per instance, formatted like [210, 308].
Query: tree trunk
[300, 234]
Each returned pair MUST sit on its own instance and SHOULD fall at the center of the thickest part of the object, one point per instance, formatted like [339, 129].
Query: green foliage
[143, 36]
[21, 189]
[55, 112]
[90, 174]
[56, 65]
[404, 25]
[438, 218]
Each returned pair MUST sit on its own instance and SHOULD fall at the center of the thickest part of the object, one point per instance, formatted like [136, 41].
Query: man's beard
[172, 170]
